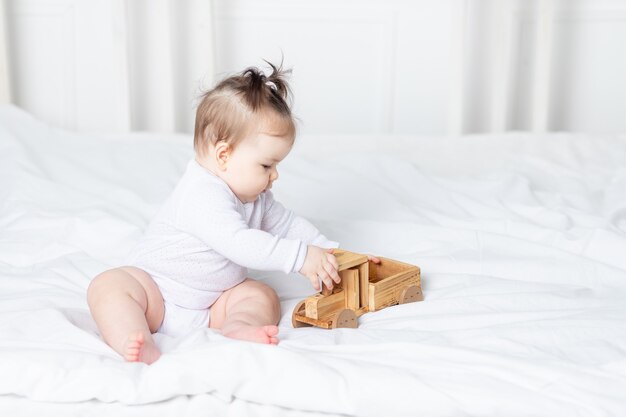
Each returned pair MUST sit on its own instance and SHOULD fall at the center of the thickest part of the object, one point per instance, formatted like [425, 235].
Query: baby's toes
[273, 340]
[270, 330]
[132, 355]
[133, 344]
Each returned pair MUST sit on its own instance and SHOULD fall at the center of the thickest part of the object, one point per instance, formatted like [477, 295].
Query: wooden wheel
[411, 294]
[345, 318]
[298, 310]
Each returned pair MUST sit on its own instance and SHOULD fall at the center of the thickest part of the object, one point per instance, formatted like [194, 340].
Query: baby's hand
[320, 264]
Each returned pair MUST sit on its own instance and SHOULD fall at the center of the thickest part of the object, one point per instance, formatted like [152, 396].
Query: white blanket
[521, 240]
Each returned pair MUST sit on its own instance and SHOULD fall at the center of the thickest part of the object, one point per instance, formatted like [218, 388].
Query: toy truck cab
[365, 286]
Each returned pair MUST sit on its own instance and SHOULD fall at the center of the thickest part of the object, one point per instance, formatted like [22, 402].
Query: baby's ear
[222, 153]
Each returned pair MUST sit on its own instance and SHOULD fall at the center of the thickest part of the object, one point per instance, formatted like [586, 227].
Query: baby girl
[189, 269]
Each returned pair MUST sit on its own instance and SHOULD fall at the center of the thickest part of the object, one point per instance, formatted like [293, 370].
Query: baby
[189, 270]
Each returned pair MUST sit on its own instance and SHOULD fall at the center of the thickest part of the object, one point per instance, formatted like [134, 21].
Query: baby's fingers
[315, 282]
[333, 261]
[331, 270]
[373, 259]
[326, 279]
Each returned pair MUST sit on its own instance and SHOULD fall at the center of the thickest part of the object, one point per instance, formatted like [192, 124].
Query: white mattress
[521, 240]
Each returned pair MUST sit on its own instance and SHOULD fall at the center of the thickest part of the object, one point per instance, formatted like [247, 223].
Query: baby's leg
[127, 306]
[248, 311]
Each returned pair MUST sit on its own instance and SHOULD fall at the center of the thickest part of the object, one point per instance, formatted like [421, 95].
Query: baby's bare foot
[138, 350]
[258, 334]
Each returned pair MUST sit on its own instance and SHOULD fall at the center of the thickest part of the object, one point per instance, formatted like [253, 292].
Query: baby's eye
[267, 166]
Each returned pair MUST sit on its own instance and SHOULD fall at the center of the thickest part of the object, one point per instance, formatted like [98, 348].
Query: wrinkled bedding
[521, 240]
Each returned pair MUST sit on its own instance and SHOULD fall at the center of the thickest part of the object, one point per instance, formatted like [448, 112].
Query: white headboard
[359, 66]
[5, 85]
[111, 66]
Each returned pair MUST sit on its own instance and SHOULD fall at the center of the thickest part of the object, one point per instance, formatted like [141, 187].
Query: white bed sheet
[521, 240]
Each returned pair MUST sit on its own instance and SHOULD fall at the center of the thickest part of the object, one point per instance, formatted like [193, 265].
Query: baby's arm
[213, 218]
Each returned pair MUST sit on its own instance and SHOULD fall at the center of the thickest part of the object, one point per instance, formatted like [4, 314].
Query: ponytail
[261, 89]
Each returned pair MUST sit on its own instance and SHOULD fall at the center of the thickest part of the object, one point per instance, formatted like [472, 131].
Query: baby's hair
[242, 104]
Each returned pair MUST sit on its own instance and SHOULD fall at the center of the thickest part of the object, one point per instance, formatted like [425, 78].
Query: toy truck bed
[389, 283]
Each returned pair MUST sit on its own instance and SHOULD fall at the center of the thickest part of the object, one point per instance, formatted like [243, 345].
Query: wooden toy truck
[365, 286]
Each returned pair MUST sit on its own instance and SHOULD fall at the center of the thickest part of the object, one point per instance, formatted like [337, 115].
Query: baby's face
[251, 167]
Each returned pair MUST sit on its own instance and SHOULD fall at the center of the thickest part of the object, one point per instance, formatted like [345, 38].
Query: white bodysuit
[203, 239]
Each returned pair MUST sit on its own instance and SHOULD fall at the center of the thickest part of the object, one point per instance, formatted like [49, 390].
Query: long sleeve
[282, 222]
[213, 218]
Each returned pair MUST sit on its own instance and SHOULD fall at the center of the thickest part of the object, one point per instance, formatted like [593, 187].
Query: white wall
[110, 65]
[5, 87]
[359, 66]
